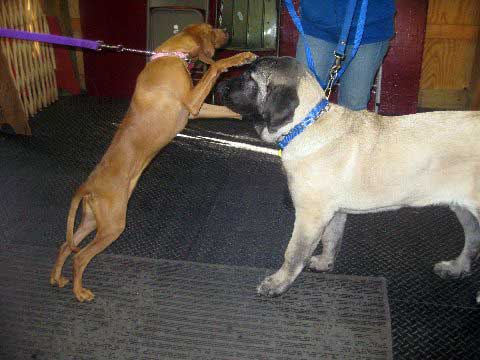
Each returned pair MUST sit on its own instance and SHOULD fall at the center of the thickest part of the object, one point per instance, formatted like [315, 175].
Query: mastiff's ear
[279, 106]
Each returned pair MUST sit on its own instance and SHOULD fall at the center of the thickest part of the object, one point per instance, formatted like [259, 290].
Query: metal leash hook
[332, 75]
[121, 48]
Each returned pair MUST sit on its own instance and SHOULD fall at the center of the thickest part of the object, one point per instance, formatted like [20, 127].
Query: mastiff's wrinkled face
[268, 94]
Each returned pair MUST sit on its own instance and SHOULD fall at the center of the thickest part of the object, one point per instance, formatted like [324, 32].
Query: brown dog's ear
[207, 49]
[205, 38]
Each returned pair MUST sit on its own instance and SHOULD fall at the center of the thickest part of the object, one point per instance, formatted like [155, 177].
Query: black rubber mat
[204, 202]
[160, 309]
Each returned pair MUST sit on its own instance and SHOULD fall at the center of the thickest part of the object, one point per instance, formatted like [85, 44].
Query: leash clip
[121, 48]
[333, 73]
[338, 59]
[103, 46]
[332, 77]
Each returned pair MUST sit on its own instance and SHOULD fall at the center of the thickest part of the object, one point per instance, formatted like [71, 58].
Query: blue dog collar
[299, 128]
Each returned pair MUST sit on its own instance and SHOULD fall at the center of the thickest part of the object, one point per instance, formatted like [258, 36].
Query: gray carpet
[164, 309]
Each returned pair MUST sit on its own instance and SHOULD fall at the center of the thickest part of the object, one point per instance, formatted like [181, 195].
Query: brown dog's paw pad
[236, 60]
[247, 58]
[83, 294]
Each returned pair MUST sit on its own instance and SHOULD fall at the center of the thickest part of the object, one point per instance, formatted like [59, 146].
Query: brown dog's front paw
[248, 57]
[83, 294]
[236, 60]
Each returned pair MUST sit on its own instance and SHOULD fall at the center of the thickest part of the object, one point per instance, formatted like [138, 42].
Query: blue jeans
[357, 80]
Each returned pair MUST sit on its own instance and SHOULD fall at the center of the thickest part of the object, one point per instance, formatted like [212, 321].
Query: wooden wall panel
[452, 33]
[447, 64]
[458, 32]
[465, 12]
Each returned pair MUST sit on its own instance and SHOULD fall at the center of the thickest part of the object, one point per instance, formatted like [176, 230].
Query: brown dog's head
[208, 39]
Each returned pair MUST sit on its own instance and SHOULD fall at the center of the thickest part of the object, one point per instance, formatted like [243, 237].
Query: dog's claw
[83, 294]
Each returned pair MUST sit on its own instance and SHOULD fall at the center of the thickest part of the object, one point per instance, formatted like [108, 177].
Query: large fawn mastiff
[357, 162]
[163, 100]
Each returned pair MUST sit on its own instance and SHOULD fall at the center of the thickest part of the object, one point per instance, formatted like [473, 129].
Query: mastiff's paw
[320, 263]
[274, 285]
[453, 268]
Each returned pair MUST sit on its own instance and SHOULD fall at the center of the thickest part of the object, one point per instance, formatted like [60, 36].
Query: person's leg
[322, 52]
[357, 80]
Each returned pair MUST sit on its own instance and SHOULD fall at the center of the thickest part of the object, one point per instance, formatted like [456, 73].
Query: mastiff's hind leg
[460, 267]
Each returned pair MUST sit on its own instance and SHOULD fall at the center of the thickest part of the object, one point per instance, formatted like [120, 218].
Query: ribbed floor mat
[162, 309]
[199, 201]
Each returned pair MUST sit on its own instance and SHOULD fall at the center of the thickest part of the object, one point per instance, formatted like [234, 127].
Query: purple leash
[68, 41]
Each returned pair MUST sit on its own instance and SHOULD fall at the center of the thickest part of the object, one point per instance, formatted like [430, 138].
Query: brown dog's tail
[71, 219]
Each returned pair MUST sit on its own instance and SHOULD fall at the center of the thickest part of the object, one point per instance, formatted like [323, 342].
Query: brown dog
[163, 99]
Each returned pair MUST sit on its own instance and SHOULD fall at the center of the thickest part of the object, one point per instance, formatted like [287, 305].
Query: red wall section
[403, 64]
[115, 22]
[288, 32]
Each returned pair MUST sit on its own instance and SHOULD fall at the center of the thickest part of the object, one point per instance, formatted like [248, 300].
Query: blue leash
[336, 70]
[298, 25]
[342, 43]
[358, 34]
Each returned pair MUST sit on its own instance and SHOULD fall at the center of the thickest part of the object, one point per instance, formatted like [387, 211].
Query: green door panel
[253, 24]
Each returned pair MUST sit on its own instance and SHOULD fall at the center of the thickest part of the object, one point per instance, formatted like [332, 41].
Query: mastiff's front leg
[309, 227]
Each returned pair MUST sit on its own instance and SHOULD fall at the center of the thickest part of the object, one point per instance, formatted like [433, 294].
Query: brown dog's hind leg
[110, 224]
[87, 225]
[81, 260]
